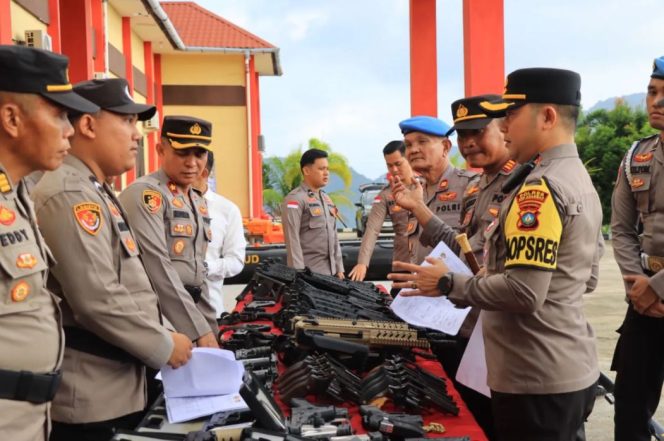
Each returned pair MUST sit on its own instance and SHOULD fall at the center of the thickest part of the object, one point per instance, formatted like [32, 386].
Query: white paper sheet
[472, 370]
[209, 372]
[434, 312]
[187, 408]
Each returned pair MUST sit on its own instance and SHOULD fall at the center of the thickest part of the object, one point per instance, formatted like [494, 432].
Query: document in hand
[434, 312]
[207, 384]
[209, 372]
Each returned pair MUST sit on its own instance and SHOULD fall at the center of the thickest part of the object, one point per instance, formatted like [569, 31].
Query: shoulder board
[466, 173]
[508, 167]
[72, 183]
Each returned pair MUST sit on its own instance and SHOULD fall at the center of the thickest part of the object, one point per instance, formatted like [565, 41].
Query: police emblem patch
[178, 202]
[202, 209]
[26, 261]
[443, 184]
[637, 182]
[152, 200]
[88, 216]
[178, 246]
[7, 216]
[446, 197]
[20, 291]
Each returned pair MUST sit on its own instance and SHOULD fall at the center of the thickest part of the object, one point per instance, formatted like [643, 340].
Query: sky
[346, 72]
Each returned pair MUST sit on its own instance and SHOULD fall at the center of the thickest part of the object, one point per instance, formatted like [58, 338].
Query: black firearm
[304, 414]
[394, 425]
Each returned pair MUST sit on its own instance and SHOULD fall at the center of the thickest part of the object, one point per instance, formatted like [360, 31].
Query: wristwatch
[446, 283]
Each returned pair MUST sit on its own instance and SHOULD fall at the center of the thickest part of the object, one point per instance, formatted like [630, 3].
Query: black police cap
[184, 132]
[29, 70]
[113, 95]
[468, 114]
[537, 85]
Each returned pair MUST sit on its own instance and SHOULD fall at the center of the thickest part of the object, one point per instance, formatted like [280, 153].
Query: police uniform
[173, 229]
[310, 231]
[110, 312]
[540, 349]
[32, 340]
[382, 205]
[637, 224]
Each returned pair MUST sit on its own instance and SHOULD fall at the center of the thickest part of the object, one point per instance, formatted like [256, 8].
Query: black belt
[28, 386]
[86, 341]
[194, 292]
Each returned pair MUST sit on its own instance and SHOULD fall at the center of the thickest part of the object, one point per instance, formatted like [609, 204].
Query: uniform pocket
[23, 268]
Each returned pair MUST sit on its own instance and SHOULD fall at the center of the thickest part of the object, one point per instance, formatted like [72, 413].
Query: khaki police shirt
[539, 256]
[482, 201]
[384, 204]
[446, 200]
[640, 201]
[309, 220]
[173, 229]
[105, 291]
[32, 338]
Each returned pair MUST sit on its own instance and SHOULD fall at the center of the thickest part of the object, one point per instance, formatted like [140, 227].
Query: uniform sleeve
[88, 277]
[435, 231]
[624, 218]
[517, 290]
[233, 249]
[176, 303]
[591, 284]
[291, 213]
[372, 230]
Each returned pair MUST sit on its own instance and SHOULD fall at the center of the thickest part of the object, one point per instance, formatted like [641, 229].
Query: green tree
[281, 175]
[603, 137]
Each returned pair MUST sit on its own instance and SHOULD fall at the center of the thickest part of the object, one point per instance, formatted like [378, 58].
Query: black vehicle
[368, 193]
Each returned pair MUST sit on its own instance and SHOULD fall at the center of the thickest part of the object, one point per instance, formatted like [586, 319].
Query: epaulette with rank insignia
[508, 167]
[5, 186]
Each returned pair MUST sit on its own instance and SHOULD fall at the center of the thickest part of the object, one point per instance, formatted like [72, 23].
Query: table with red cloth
[455, 426]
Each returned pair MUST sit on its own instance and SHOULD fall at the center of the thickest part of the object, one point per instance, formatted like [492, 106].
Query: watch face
[445, 284]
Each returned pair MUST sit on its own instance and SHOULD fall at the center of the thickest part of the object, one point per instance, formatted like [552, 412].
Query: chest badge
[152, 200]
[178, 202]
[26, 261]
[20, 291]
[178, 246]
[88, 216]
[448, 196]
[444, 185]
[644, 157]
[637, 182]
[203, 210]
[7, 216]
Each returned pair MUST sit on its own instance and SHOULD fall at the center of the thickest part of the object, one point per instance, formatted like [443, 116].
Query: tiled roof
[201, 28]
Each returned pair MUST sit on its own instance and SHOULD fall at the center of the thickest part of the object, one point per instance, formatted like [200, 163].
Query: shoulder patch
[533, 228]
[88, 216]
[152, 200]
[293, 204]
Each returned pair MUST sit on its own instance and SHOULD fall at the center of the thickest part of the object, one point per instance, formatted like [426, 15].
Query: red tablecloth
[462, 425]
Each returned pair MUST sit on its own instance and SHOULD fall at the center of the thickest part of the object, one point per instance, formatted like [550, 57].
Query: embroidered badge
[152, 200]
[509, 166]
[493, 212]
[316, 211]
[189, 230]
[7, 216]
[20, 291]
[446, 197]
[461, 111]
[5, 187]
[172, 187]
[88, 216]
[131, 245]
[195, 129]
[637, 182]
[26, 261]
[472, 190]
[178, 246]
[443, 185]
[292, 204]
[644, 157]
[202, 209]
[178, 202]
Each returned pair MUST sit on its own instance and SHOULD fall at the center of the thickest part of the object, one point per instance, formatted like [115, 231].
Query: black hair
[310, 156]
[394, 146]
[209, 165]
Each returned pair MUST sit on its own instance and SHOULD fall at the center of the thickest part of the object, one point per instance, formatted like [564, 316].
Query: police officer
[539, 253]
[427, 150]
[171, 223]
[483, 146]
[638, 245]
[35, 95]
[309, 218]
[397, 165]
[110, 312]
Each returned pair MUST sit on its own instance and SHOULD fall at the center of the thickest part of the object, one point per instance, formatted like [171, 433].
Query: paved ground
[605, 310]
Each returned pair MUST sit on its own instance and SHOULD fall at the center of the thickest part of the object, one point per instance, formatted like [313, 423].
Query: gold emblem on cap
[195, 129]
[461, 111]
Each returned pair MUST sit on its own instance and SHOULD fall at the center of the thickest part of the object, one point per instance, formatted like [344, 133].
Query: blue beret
[424, 124]
[658, 68]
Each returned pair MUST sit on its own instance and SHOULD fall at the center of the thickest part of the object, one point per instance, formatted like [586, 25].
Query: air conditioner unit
[39, 39]
[152, 124]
